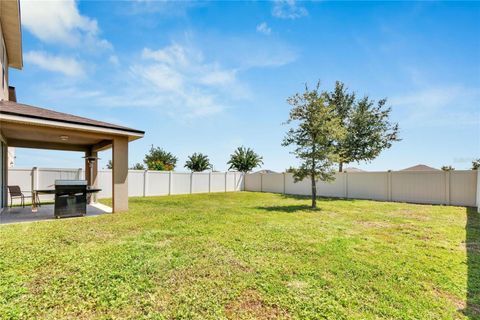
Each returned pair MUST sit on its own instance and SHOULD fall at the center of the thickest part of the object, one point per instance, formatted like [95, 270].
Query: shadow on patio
[45, 212]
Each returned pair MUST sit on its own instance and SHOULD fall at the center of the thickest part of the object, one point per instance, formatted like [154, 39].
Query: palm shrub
[198, 162]
[244, 160]
[159, 159]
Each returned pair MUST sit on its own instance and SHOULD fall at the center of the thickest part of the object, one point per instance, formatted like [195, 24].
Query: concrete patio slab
[45, 212]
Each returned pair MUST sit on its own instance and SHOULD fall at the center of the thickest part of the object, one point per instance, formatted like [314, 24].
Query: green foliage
[447, 168]
[290, 170]
[476, 164]
[198, 162]
[109, 164]
[168, 257]
[314, 135]
[159, 159]
[244, 160]
[138, 166]
[366, 123]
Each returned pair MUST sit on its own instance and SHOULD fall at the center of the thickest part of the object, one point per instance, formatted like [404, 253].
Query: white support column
[345, 180]
[284, 182]
[79, 173]
[145, 182]
[261, 182]
[170, 182]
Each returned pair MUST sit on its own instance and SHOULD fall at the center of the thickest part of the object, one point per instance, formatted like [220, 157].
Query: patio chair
[16, 193]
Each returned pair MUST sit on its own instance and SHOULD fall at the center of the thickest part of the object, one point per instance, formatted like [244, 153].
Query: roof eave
[12, 31]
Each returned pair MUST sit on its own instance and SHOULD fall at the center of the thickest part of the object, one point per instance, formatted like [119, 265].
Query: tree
[476, 164]
[315, 134]
[109, 164]
[366, 123]
[159, 159]
[244, 160]
[138, 166]
[448, 168]
[198, 162]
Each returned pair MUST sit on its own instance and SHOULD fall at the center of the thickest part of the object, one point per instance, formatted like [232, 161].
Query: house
[420, 167]
[28, 126]
[353, 169]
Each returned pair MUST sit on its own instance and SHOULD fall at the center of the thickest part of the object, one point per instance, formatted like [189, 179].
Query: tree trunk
[340, 167]
[314, 192]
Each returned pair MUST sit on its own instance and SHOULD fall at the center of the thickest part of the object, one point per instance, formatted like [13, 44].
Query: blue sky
[210, 76]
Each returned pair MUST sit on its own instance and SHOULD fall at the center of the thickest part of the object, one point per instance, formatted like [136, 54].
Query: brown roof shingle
[25, 110]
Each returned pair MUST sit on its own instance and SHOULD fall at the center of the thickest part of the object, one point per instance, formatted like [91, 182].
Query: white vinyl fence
[140, 182]
[458, 187]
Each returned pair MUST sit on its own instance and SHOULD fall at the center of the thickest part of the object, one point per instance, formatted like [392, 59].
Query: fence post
[284, 183]
[389, 185]
[79, 173]
[261, 182]
[447, 188]
[34, 179]
[145, 182]
[478, 190]
[345, 180]
[191, 182]
[210, 182]
[235, 181]
[170, 182]
[226, 181]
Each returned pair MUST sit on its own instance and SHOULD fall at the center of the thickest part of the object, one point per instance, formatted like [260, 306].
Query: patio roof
[33, 127]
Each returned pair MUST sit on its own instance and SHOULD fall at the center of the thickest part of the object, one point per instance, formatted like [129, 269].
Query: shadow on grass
[472, 240]
[289, 209]
[319, 198]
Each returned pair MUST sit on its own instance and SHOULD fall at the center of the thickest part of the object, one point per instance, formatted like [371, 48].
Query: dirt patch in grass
[460, 304]
[250, 305]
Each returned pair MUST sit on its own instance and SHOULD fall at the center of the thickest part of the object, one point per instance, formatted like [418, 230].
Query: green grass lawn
[245, 256]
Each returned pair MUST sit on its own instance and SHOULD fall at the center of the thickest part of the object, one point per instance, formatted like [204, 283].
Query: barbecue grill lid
[70, 182]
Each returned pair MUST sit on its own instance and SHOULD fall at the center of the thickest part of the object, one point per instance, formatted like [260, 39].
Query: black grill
[70, 198]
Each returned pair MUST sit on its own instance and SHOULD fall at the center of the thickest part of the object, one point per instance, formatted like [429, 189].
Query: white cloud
[179, 81]
[60, 21]
[264, 28]
[65, 65]
[288, 9]
[113, 59]
[441, 105]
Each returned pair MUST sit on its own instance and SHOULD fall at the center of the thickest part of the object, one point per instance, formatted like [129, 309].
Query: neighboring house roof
[420, 167]
[11, 108]
[352, 169]
[265, 171]
[12, 32]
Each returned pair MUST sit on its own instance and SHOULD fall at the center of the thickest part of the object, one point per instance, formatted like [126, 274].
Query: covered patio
[27, 126]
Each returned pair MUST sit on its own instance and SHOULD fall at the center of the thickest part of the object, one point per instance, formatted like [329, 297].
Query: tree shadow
[472, 243]
[319, 198]
[289, 208]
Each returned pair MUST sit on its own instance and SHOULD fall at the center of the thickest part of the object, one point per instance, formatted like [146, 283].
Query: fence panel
[218, 182]
[201, 181]
[463, 185]
[419, 187]
[135, 183]
[158, 183]
[368, 185]
[303, 187]
[253, 182]
[431, 187]
[273, 182]
[180, 183]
